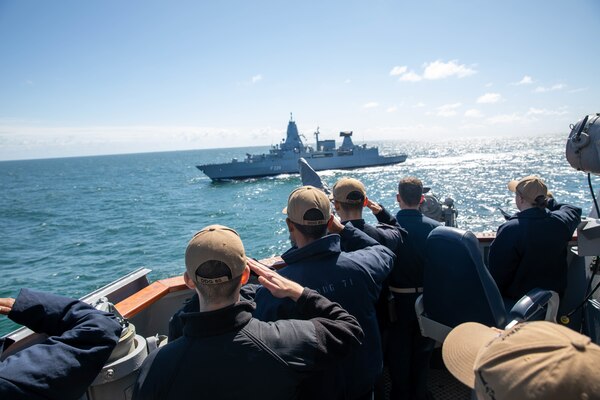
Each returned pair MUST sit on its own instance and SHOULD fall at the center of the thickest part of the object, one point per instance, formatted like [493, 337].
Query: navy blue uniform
[227, 354]
[530, 250]
[409, 352]
[388, 232]
[64, 365]
[353, 280]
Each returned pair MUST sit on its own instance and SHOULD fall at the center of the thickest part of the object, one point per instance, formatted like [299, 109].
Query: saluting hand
[374, 207]
[279, 286]
[334, 225]
[6, 305]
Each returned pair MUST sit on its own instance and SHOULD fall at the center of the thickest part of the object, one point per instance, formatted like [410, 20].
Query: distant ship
[283, 158]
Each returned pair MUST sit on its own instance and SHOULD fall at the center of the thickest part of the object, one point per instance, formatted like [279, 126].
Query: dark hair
[347, 207]
[312, 231]
[218, 291]
[541, 201]
[410, 190]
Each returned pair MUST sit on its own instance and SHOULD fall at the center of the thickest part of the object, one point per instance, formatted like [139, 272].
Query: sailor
[349, 198]
[224, 353]
[530, 249]
[352, 279]
[63, 366]
[409, 352]
[535, 360]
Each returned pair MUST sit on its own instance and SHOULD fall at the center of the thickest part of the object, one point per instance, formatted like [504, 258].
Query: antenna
[291, 117]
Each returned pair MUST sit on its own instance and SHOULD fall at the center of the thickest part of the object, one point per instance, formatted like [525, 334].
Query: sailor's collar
[212, 323]
[533, 212]
[319, 248]
[357, 223]
[409, 212]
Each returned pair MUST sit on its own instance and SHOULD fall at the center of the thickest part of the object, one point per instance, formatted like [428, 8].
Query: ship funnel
[347, 144]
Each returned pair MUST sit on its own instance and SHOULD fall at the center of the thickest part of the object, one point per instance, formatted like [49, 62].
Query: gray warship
[283, 158]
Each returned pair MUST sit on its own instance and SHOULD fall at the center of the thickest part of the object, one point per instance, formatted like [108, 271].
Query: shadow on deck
[442, 385]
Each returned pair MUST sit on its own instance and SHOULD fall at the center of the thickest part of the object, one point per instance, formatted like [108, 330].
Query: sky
[106, 77]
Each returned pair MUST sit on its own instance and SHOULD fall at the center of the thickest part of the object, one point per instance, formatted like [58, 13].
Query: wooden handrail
[149, 295]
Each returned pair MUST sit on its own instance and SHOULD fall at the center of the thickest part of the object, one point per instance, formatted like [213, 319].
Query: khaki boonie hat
[215, 243]
[530, 188]
[304, 199]
[535, 360]
[350, 191]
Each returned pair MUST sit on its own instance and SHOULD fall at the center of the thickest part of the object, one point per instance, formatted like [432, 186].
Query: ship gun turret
[434, 208]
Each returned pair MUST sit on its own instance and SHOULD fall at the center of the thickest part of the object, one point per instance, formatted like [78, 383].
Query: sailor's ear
[336, 205]
[188, 281]
[398, 197]
[245, 275]
[290, 225]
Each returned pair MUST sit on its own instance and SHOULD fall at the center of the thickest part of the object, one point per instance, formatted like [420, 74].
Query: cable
[583, 302]
[593, 195]
[596, 264]
[564, 319]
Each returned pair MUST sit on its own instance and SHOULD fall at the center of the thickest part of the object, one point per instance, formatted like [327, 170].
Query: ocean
[72, 225]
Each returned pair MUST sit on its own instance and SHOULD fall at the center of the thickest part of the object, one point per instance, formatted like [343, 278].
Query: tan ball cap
[530, 188]
[215, 243]
[304, 199]
[536, 360]
[349, 190]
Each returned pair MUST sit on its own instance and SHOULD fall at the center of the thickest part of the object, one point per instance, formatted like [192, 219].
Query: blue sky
[103, 77]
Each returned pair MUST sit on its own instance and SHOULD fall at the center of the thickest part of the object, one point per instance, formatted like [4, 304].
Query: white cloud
[506, 119]
[542, 89]
[257, 78]
[391, 109]
[347, 81]
[448, 110]
[489, 98]
[419, 105]
[578, 90]
[371, 104]
[489, 84]
[433, 71]
[410, 77]
[473, 113]
[543, 111]
[440, 70]
[398, 70]
[527, 80]
[472, 127]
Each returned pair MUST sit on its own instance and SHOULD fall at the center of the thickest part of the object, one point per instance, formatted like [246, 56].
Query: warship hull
[283, 158]
[289, 165]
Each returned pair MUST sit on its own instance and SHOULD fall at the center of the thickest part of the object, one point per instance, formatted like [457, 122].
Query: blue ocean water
[72, 225]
